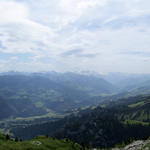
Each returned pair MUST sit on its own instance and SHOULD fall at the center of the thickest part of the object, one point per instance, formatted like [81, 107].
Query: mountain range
[94, 109]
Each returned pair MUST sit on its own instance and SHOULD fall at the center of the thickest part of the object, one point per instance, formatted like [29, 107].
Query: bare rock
[137, 145]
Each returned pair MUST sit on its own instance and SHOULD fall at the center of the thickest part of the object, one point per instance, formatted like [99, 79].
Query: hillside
[53, 94]
[133, 108]
[117, 122]
[38, 143]
[41, 94]
[47, 143]
[134, 84]
[93, 84]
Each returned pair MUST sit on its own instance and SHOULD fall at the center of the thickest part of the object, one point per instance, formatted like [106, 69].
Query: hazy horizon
[75, 35]
[71, 71]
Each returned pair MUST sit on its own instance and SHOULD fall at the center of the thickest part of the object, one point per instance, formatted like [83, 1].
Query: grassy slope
[39, 143]
[133, 110]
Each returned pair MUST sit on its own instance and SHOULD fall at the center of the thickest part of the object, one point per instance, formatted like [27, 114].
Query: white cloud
[20, 34]
[12, 12]
[108, 32]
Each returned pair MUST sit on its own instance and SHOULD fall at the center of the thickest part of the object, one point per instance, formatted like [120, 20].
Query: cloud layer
[72, 35]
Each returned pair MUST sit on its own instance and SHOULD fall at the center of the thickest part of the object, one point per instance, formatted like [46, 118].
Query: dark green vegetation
[38, 143]
[120, 121]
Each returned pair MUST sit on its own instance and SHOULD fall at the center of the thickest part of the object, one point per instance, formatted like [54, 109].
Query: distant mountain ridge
[43, 92]
[40, 93]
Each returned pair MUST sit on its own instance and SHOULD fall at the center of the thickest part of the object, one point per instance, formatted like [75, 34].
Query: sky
[75, 35]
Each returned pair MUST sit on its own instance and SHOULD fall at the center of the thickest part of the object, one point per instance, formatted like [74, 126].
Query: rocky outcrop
[137, 145]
